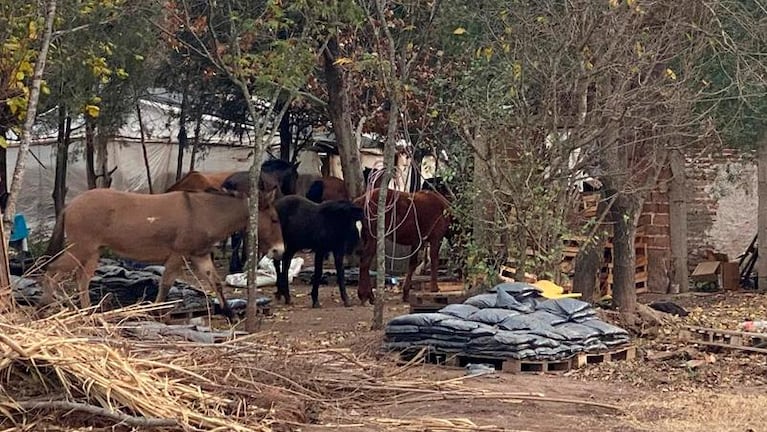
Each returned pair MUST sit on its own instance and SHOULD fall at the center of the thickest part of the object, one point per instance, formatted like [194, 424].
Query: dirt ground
[726, 393]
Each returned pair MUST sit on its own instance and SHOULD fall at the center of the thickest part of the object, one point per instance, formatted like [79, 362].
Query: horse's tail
[56, 243]
[316, 189]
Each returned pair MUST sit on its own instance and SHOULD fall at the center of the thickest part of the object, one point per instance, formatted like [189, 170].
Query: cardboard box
[726, 275]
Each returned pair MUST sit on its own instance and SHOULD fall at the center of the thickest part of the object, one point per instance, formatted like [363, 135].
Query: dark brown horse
[161, 228]
[330, 227]
[417, 220]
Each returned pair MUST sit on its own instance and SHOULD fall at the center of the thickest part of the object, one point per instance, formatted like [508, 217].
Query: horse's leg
[316, 277]
[277, 271]
[85, 273]
[282, 276]
[173, 266]
[206, 271]
[364, 291]
[234, 261]
[244, 256]
[434, 258]
[338, 258]
[412, 264]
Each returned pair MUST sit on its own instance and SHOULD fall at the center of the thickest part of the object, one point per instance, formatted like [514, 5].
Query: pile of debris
[513, 320]
[121, 284]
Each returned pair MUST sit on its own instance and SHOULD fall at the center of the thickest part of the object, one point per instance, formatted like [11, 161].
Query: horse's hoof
[315, 305]
[347, 303]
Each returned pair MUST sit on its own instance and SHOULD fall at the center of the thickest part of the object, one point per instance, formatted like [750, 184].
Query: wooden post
[678, 223]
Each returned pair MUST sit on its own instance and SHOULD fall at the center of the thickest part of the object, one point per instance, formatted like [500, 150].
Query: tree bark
[589, 262]
[624, 215]
[286, 137]
[196, 142]
[104, 177]
[761, 259]
[340, 115]
[144, 150]
[678, 223]
[29, 121]
[62, 159]
[90, 150]
[182, 136]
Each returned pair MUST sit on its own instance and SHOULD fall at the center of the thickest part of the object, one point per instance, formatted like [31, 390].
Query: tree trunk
[62, 159]
[340, 114]
[678, 223]
[286, 137]
[196, 142]
[104, 177]
[29, 121]
[485, 209]
[761, 259]
[589, 262]
[144, 150]
[182, 137]
[90, 150]
[624, 215]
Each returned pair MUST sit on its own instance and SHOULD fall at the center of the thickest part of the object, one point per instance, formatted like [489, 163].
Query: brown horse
[161, 228]
[321, 188]
[199, 181]
[417, 220]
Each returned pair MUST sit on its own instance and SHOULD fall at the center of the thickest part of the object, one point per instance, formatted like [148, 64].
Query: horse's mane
[275, 165]
[222, 192]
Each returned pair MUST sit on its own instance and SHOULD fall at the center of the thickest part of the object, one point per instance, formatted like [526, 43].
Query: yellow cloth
[551, 290]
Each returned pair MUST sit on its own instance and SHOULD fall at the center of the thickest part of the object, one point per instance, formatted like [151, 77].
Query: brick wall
[721, 212]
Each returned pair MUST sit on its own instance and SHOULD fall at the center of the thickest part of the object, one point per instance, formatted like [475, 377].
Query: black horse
[330, 227]
[275, 173]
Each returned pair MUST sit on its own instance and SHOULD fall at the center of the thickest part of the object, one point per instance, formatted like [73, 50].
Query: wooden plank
[724, 345]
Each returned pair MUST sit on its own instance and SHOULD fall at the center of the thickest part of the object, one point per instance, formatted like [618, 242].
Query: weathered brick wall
[721, 212]
[722, 209]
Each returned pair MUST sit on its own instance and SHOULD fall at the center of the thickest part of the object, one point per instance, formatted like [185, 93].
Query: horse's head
[283, 173]
[270, 241]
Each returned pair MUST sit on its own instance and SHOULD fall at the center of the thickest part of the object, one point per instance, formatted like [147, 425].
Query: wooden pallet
[425, 301]
[517, 366]
[745, 341]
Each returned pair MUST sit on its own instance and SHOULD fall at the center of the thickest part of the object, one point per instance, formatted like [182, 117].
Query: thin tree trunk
[340, 114]
[761, 259]
[104, 177]
[263, 135]
[90, 150]
[589, 261]
[143, 148]
[485, 209]
[62, 159]
[182, 137]
[29, 121]
[286, 137]
[196, 142]
[624, 214]
[678, 223]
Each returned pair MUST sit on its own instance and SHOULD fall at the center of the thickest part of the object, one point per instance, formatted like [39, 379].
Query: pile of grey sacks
[512, 320]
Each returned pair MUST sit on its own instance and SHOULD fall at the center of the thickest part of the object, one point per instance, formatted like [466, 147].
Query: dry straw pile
[77, 369]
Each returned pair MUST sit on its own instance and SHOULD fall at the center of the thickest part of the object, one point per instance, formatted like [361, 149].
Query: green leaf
[3, 142]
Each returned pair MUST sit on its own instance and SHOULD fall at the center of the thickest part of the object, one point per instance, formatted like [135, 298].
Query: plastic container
[753, 326]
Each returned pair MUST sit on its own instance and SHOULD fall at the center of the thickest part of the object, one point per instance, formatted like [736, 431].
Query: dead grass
[695, 411]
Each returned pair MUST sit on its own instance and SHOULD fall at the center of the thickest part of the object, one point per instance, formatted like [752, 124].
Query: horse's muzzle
[276, 251]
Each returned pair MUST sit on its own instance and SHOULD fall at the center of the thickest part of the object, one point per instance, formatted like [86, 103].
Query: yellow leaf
[343, 61]
[670, 73]
[44, 89]
[92, 110]
[631, 2]
[20, 76]
[32, 30]
[613, 3]
[459, 31]
[3, 142]
[516, 69]
[588, 65]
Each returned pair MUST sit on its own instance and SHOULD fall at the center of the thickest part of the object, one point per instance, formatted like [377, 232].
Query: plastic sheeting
[512, 320]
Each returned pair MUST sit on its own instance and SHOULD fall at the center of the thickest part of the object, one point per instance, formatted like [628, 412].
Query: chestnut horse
[161, 228]
[321, 188]
[417, 220]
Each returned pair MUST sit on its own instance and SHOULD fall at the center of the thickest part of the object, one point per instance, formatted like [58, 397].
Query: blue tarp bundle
[511, 320]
